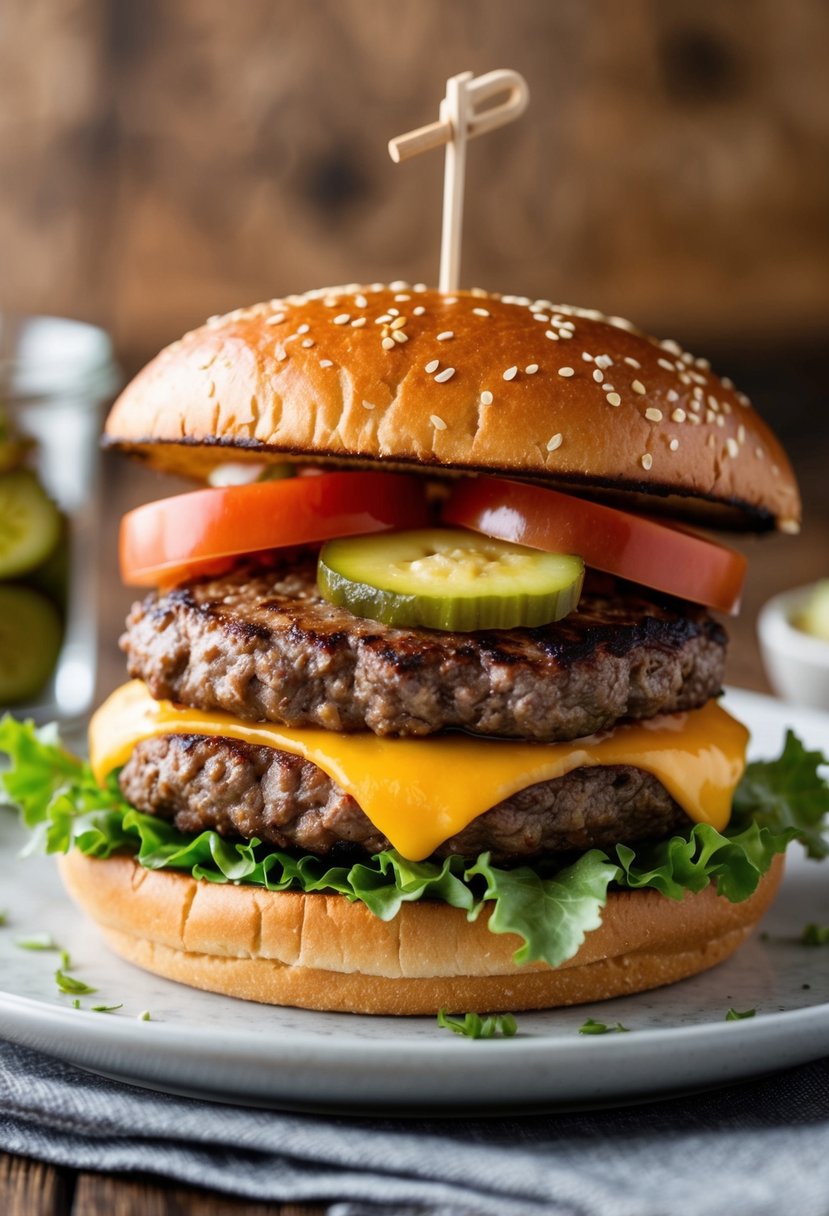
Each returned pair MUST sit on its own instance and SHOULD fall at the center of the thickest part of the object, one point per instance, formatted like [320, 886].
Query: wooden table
[28, 1188]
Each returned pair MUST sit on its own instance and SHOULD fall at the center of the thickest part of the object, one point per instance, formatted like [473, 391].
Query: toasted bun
[322, 952]
[355, 375]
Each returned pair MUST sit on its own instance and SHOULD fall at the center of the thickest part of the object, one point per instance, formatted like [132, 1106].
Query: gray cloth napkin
[759, 1148]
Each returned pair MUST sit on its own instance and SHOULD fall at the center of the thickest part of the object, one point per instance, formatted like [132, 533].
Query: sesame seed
[486, 397]
[653, 415]
[358, 323]
[399, 336]
[566, 333]
[540, 316]
[326, 363]
[446, 335]
[587, 358]
[758, 452]
[720, 420]
[683, 379]
[598, 375]
[437, 422]
[398, 322]
[367, 405]
[607, 387]
[566, 371]
[308, 343]
[342, 319]
[281, 354]
[384, 320]
[638, 387]
[647, 461]
[554, 442]
[510, 373]
[419, 311]
[672, 394]
[669, 367]
[361, 301]
[398, 285]
[604, 362]
[631, 362]
[672, 346]
[403, 297]
[394, 312]
[614, 399]
[732, 447]
[450, 300]
[566, 325]
[446, 374]
[741, 434]
[432, 366]
[303, 329]
[531, 369]
[388, 344]
[276, 319]
[673, 445]
[727, 382]
[678, 415]
[698, 394]
[551, 333]
[713, 402]
[481, 312]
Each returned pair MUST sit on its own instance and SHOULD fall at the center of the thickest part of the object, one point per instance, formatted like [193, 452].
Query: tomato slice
[676, 561]
[189, 534]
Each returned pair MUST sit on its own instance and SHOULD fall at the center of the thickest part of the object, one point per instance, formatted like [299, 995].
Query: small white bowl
[796, 663]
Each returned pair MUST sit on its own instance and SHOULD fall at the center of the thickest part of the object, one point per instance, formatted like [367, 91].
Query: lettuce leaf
[549, 907]
[787, 795]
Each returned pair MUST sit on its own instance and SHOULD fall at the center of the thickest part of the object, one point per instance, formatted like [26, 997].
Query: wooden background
[166, 159]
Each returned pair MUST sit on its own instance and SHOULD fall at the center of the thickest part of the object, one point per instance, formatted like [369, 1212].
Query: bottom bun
[322, 952]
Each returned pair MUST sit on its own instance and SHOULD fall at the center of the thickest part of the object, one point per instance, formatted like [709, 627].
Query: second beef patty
[242, 791]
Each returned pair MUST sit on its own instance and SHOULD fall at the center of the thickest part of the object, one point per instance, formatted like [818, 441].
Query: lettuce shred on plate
[550, 908]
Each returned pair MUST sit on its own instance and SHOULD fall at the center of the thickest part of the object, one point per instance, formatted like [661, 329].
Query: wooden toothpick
[461, 119]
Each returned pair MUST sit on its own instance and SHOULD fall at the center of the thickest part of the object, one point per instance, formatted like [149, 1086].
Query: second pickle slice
[447, 578]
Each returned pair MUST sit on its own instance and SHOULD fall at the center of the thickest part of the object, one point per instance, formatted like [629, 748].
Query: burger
[422, 708]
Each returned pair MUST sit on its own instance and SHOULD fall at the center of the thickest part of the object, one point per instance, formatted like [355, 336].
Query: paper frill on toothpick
[464, 115]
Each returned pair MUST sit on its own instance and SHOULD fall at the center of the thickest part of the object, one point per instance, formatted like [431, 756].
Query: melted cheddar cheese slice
[420, 792]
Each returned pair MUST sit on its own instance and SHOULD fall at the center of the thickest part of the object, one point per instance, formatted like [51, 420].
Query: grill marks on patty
[261, 643]
[242, 791]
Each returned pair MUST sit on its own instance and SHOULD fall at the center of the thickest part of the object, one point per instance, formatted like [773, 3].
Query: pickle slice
[30, 637]
[442, 578]
[29, 523]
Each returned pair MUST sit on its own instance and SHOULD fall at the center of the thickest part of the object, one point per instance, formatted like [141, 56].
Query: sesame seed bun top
[468, 382]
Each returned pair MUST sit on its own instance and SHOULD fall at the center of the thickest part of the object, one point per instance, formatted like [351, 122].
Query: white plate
[217, 1047]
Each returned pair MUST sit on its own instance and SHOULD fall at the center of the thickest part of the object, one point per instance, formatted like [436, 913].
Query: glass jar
[56, 375]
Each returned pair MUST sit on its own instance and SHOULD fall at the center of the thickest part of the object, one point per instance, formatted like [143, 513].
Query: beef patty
[261, 643]
[242, 791]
